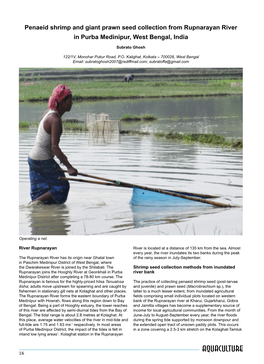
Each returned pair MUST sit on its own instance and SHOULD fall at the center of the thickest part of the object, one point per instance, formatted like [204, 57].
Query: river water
[143, 160]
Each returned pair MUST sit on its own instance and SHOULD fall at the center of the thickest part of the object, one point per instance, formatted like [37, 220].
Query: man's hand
[72, 171]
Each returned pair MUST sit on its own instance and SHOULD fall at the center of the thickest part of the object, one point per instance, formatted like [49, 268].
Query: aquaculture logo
[222, 348]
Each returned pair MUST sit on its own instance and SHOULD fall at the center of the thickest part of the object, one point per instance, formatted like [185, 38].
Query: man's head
[61, 96]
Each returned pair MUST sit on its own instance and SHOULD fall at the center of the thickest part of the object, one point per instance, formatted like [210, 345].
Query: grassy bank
[145, 117]
[66, 126]
[208, 139]
[117, 74]
[24, 125]
[96, 90]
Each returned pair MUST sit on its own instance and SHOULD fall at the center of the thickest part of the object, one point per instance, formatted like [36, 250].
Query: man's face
[68, 103]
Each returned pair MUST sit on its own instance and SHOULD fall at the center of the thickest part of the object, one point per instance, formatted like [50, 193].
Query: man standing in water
[45, 185]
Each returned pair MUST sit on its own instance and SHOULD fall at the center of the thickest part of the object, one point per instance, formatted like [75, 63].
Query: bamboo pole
[125, 184]
[129, 185]
[83, 180]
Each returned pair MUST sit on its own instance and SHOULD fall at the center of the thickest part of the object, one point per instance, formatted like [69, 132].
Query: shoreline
[110, 98]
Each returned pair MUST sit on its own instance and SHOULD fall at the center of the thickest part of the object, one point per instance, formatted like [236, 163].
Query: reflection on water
[93, 209]
[47, 219]
[142, 160]
[145, 215]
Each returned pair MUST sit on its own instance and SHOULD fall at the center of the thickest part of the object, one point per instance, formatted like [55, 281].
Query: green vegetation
[210, 139]
[149, 117]
[99, 90]
[145, 117]
[24, 125]
[129, 117]
[158, 75]
[74, 126]
[70, 126]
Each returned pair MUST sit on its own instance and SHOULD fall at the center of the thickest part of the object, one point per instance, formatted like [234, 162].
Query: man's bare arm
[56, 128]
